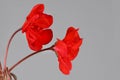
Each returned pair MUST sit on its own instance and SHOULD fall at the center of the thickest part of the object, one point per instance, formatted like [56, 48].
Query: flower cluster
[38, 34]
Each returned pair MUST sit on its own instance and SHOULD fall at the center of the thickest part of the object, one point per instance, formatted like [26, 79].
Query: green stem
[28, 56]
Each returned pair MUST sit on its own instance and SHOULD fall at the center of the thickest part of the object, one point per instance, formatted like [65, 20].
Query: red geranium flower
[67, 49]
[35, 27]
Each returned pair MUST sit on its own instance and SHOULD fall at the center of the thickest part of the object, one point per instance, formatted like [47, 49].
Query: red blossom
[36, 27]
[67, 49]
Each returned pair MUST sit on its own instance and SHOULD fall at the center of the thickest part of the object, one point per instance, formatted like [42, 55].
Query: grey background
[99, 23]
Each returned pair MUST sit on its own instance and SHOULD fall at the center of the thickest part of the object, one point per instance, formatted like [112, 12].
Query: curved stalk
[7, 48]
[28, 56]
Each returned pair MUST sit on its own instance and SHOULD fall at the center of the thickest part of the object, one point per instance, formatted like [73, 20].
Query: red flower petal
[64, 65]
[71, 34]
[60, 48]
[74, 49]
[72, 53]
[44, 21]
[38, 19]
[33, 41]
[45, 36]
[37, 39]
[73, 42]
[37, 9]
[28, 23]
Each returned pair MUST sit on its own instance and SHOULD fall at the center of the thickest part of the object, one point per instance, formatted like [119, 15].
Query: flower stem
[6, 54]
[28, 56]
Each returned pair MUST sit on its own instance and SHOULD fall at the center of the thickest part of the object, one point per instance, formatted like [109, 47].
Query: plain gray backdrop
[99, 23]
